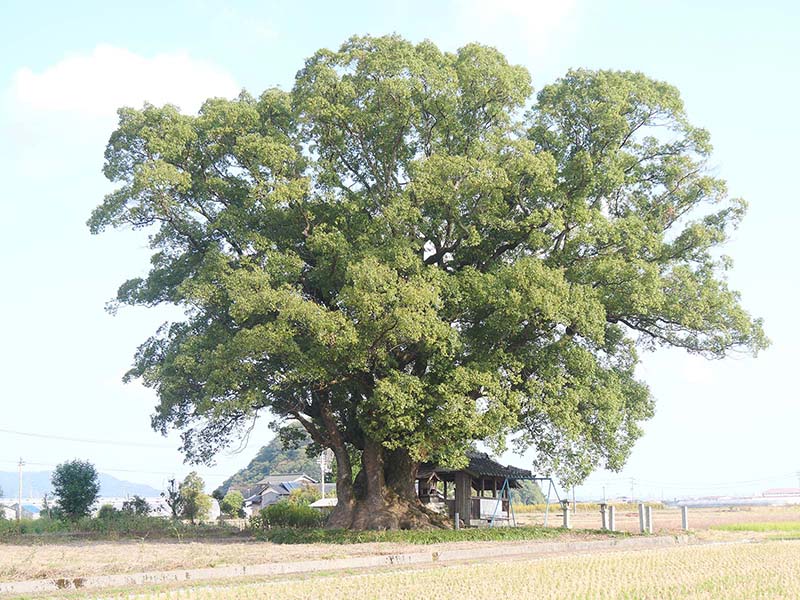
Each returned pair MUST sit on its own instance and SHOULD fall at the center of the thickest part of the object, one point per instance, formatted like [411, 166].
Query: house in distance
[274, 488]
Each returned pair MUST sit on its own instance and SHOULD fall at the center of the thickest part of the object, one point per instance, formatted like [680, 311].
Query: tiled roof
[481, 465]
[285, 478]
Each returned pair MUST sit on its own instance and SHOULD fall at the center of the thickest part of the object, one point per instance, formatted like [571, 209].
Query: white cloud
[535, 23]
[96, 84]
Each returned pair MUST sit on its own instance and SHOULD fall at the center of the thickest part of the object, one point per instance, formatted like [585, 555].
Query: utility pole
[19, 491]
[633, 483]
[322, 473]
[798, 477]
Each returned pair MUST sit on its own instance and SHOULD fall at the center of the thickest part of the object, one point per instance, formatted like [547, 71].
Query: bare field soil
[668, 520]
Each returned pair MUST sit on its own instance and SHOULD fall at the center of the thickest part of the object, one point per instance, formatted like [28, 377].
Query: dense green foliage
[306, 494]
[195, 504]
[232, 503]
[107, 511]
[287, 514]
[76, 488]
[119, 525]
[398, 256]
[528, 492]
[429, 536]
[137, 506]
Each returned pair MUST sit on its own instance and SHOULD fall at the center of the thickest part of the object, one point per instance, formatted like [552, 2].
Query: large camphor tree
[406, 254]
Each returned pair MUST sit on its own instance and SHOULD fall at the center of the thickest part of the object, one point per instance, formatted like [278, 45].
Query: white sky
[720, 427]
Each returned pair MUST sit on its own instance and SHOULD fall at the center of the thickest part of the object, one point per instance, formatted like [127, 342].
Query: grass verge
[425, 536]
[132, 527]
[765, 527]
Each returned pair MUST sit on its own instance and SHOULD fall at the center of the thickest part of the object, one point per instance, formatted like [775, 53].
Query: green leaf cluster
[76, 487]
[407, 249]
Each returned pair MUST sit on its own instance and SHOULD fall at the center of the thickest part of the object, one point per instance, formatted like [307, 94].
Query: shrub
[305, 495]
[287, 514]
[107, 511]
[136, 506]
[415, 536]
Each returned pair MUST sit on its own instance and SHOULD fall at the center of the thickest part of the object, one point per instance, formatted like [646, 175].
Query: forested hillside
[274, 459]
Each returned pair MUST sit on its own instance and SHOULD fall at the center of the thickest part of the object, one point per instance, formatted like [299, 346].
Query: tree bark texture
[382, 495]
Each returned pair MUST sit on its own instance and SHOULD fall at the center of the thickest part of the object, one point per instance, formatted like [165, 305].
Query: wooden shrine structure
[480, 493]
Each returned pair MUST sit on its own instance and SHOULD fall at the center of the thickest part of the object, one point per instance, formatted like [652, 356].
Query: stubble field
[730, 572]
[721, 565]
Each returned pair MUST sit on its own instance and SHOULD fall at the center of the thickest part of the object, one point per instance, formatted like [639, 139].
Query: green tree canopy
[528, 492]
[401, 258]
[232, 503]
[136, 506]
[194, 502]
[76, 487]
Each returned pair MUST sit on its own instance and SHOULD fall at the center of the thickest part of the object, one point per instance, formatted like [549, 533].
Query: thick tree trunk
[342, 515]
[383, 495]
[400, 472]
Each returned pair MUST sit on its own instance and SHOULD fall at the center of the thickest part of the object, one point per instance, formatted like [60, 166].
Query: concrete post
[685, 518]
[612, 518]
[648, 512]
[603, 520]
[456, 521]
[641, 518]
[567, 520]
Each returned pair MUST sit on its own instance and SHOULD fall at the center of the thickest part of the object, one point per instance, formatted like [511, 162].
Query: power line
[114, 470]
[85, 440]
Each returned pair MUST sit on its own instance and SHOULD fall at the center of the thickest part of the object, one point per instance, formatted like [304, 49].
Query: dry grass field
[82, 559]
[766, 569]
[739, 571]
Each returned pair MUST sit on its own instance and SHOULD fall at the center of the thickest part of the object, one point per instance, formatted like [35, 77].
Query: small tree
[305, 495]
[528, 492]
[136, 506]
[172, 496]
[76, 487]
[107, 512]
[196, 504]
[232, 504]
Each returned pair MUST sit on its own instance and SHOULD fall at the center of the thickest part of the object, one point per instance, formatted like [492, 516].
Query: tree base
[393, 513]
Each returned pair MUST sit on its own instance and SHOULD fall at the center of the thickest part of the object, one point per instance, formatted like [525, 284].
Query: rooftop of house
[480, 465]
[278, 479]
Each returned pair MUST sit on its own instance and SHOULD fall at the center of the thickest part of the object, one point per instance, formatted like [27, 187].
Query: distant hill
[272, 459]
[35, 484]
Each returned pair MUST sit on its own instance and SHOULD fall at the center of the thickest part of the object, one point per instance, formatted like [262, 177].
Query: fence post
[603, 520]
[648, 511]
[567, 521]
[457, 524]
[612, 520]
[641, 517]
[685, 518]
